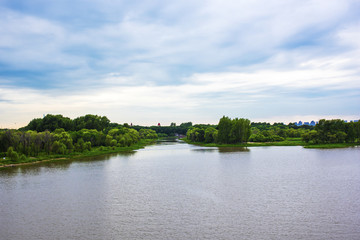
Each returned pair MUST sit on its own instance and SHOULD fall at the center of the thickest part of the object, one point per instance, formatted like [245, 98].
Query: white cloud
[27, 40]
[212, 34]
[290, 80]
[216, 93]
[182, 58]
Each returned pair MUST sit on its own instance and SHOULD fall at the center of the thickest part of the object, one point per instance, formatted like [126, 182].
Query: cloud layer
[179, 61]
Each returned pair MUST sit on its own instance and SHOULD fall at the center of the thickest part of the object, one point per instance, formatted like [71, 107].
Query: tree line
[55, 134]
[168, 131]
[276, 132]
[333, 131]
[241, 131]
[52, 122]
[52, 138]
[226, 132]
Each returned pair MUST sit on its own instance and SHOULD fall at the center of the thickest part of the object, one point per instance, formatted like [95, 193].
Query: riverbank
[98, 151]
[288, 142]
[332, 145]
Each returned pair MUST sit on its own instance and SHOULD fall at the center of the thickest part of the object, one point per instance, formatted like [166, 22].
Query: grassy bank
[332, 145]
[96, 151]
[287, 142]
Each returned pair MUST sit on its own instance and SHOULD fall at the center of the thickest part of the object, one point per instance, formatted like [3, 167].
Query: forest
[230, 131]
[227, 131]
[56, 135]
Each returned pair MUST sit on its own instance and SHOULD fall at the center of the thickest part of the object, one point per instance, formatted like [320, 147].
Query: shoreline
[93, 153]
[279, 144]
[110, 150]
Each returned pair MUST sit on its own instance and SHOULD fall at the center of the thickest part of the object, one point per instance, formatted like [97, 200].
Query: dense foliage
[266, 132]
[58, 135]
[230, 131]
[172, 130]
[52, 122]
[227, 131]
[333, 131]
[23, 143]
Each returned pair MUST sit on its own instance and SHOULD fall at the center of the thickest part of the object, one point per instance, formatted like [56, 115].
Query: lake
[172, 190]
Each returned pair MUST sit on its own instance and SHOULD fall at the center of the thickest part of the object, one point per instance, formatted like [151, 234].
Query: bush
[12, 155]
[22, 157]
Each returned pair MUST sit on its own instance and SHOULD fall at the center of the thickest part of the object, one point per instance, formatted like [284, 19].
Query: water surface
[180, 191]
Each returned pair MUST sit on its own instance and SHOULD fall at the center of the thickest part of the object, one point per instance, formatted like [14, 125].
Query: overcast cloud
[145, 62]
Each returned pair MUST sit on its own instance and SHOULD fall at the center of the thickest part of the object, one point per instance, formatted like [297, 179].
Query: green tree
[12, 155]
[357, 130]
[224, 130]
[113, 142]
[234, 131]
[108, 140]
[310, 136]
[258, 137]
[90, 121]
[58, 147]
[211, 135]
[47, 139]
[35, 125]
[186, 125]
[196, 134]
[64, 139]
[147, 134]
[240, 130]
[331, 131]
[51, 122]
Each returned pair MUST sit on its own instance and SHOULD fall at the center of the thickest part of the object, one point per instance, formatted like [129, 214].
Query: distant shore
[289, 142]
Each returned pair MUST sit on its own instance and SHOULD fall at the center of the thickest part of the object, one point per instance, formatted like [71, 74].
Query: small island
[236, 132]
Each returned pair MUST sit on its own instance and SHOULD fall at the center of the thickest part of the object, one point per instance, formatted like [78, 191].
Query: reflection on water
[233, 149]
[178, 191]
[205, 149]
[36, 168]
[60, 164]
[221, 149]
[169, 140]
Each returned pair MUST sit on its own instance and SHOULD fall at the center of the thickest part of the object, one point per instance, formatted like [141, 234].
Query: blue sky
[145, 62]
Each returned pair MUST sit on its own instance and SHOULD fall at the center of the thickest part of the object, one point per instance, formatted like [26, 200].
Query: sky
[148, 62]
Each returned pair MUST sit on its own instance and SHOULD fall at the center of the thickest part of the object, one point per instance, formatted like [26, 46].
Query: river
[172, 190]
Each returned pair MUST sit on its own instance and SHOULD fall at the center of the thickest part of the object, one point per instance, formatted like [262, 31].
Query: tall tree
[224, 129]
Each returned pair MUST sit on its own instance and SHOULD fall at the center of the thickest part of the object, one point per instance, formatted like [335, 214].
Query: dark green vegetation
[36, 142]
[333, 131]
[228, 131]
[168, 131]
[95, 151]
[239, 132]
[287, 142]
[52, 122]
[55, 136]
[59, 137]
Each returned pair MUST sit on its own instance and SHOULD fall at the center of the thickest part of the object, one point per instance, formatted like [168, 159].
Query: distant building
[300, 123]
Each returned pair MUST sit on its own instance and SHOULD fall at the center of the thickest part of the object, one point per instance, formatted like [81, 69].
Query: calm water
[179, 191]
